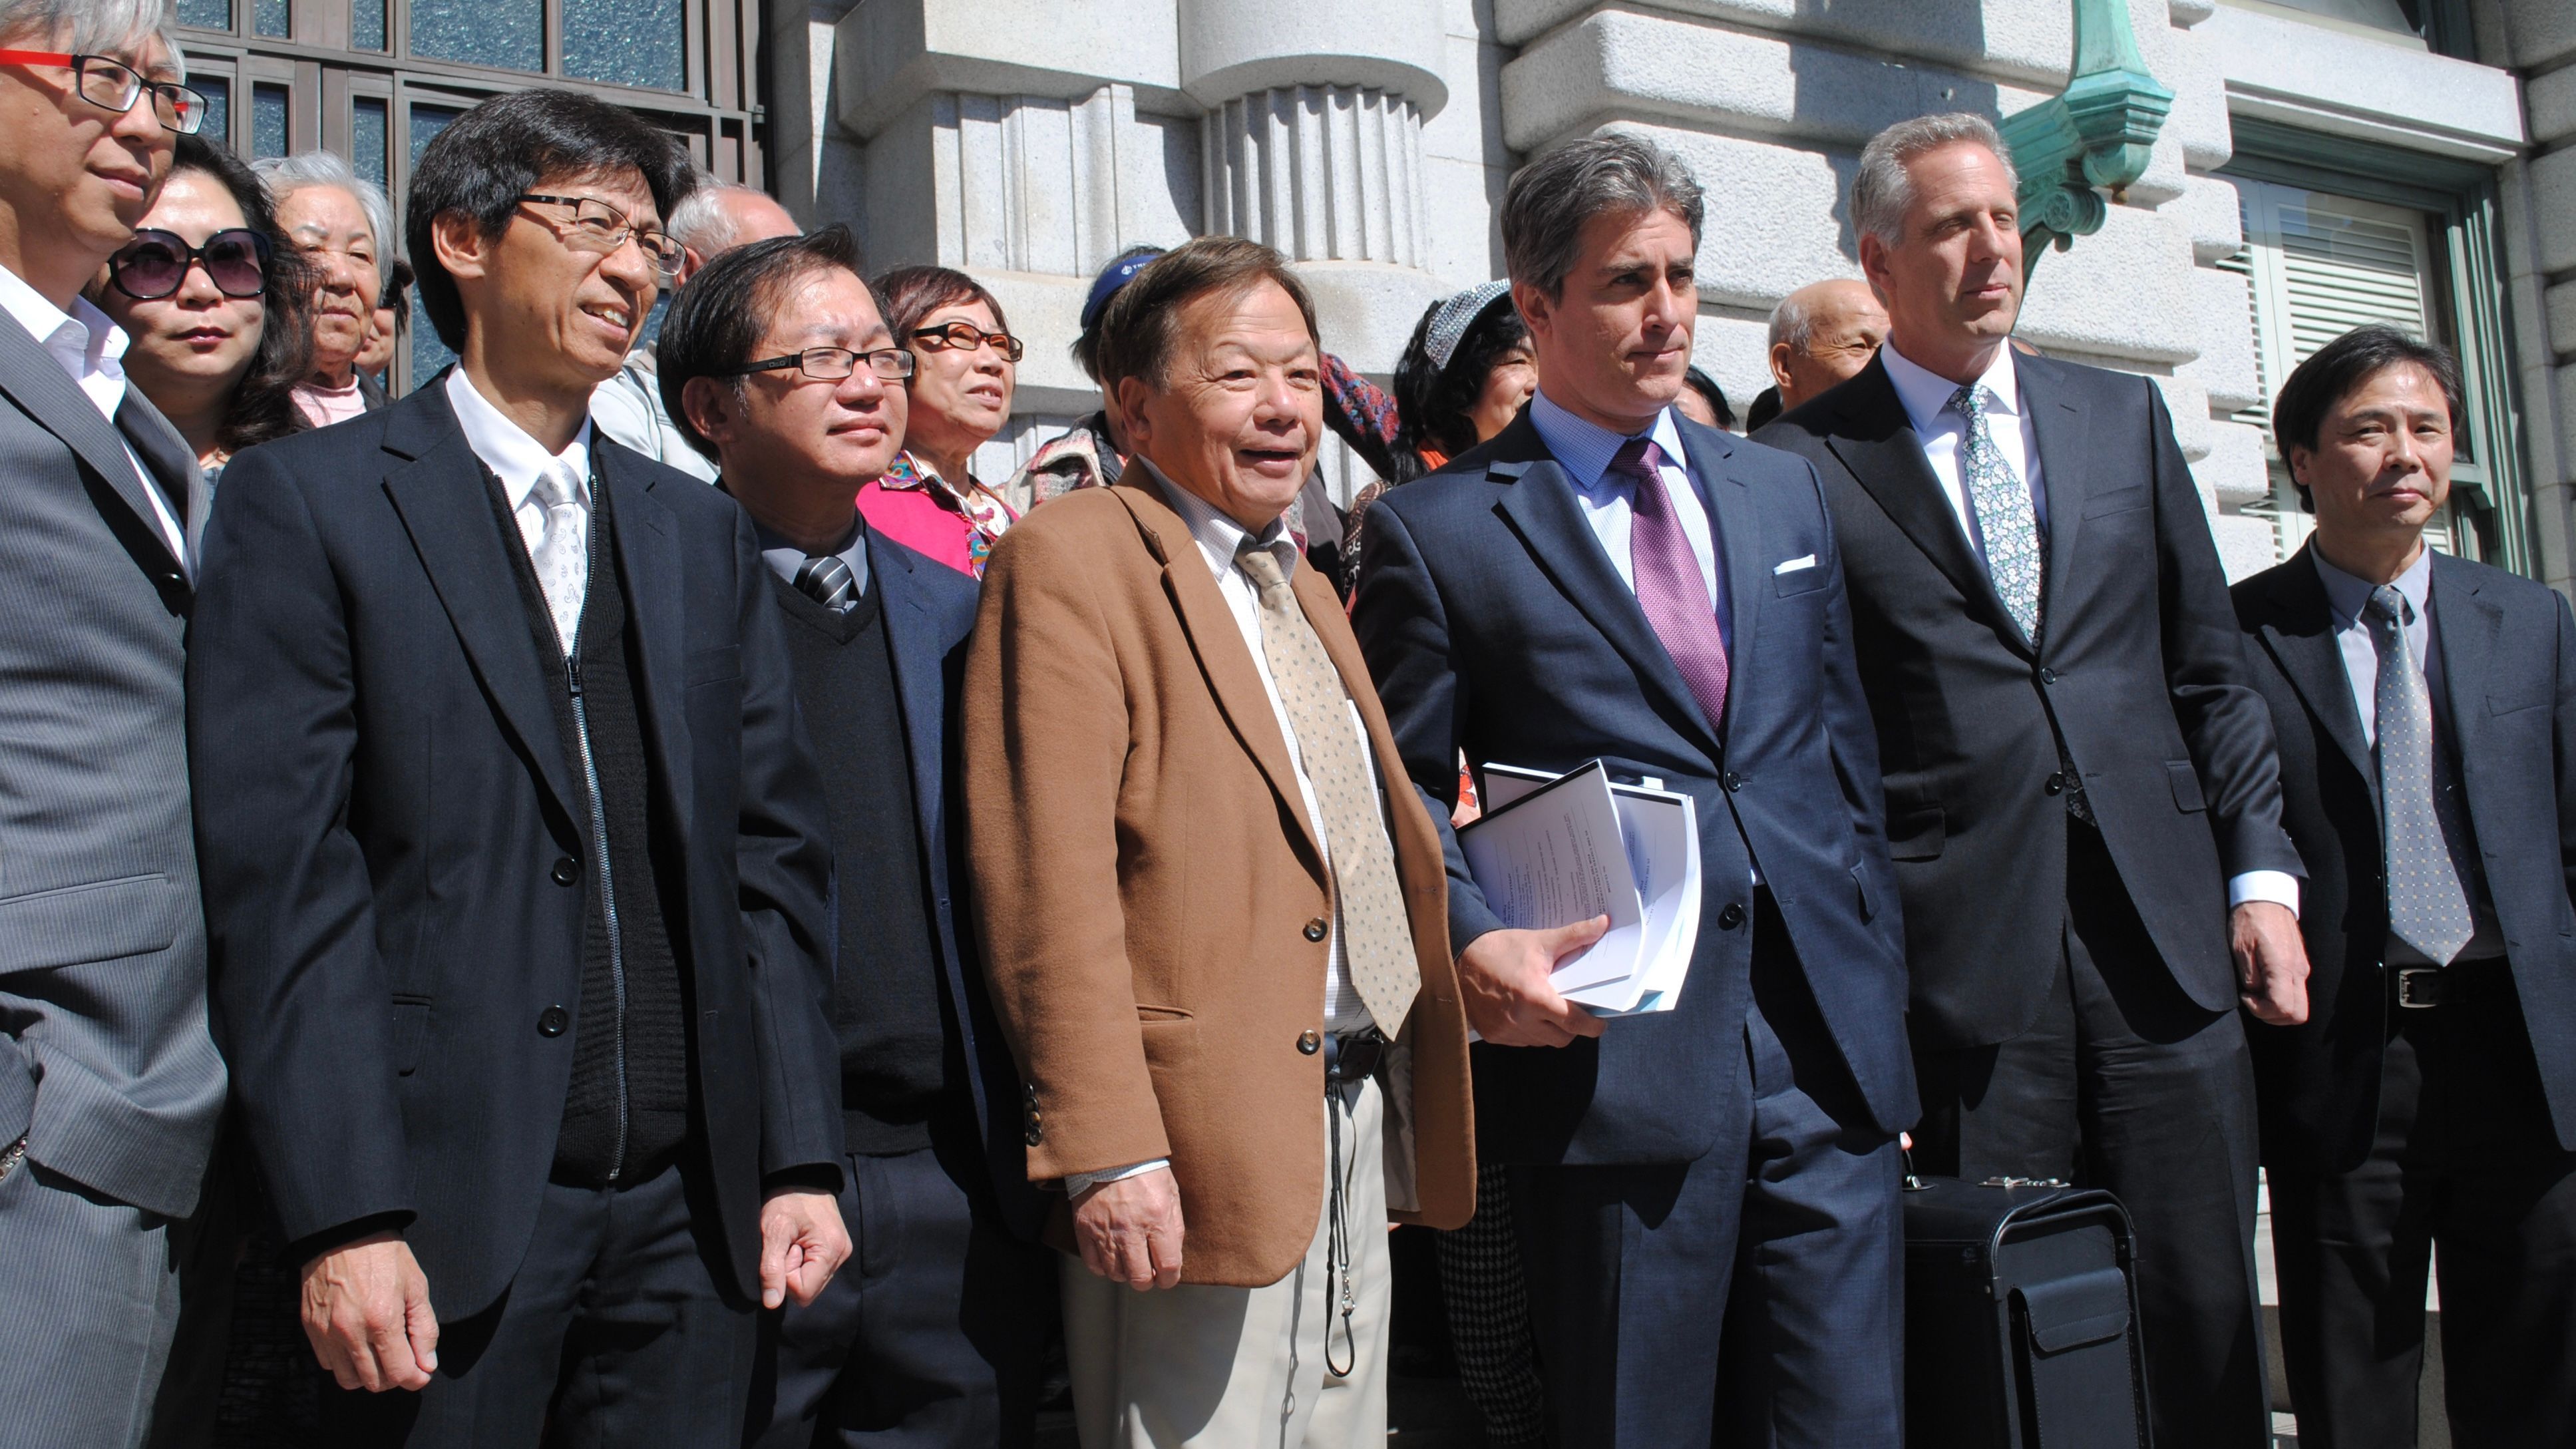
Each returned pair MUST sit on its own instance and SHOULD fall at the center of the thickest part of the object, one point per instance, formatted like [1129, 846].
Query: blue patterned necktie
[2005, 518]
[2427, 909]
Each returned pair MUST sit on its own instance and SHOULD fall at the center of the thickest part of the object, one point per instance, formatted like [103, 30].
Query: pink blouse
[922, 511]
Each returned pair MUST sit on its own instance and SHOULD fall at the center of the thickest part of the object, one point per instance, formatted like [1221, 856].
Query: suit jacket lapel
[1877, 442]
[648, 550]
[436, 484]
[1541, 507]
[2301, 635]
[920, 688]
[2062, 426]
[2468, 625]
[1221, 649]
[32, 379]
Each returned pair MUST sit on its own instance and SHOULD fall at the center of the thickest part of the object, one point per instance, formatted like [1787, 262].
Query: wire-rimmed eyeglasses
[599, 227]
[112, 85]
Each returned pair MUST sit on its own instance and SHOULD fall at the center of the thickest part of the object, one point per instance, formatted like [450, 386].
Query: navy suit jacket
[1494, 622]
[929, 610]
[2509, 661]
[386, 819]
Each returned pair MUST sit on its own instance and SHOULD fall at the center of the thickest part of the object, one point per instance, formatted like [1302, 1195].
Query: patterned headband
[1456, 315]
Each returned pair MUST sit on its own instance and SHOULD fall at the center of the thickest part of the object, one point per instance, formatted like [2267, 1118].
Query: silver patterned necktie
[562, 552]
[2427, 909]
[1377, 938]
[826, 580]
[2005, 518]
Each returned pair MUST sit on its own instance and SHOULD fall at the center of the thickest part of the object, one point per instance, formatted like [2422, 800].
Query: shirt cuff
[1078, 1183]
[2277, 886]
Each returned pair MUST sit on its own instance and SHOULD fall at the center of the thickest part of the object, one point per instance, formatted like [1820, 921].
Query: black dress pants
[617, 1331]
[2465, 1159]
[932, 1335]
[2124, 1083]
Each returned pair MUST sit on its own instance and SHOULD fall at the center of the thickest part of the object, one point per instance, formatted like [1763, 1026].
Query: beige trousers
[1233, 1368]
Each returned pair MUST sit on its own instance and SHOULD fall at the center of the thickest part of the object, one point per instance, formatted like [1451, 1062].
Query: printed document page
[1532, 861]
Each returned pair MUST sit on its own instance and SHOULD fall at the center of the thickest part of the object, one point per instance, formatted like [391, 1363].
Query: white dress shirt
[1584, 450]
[1926, 396]
[2346, 595]
[518, 460]
[1217, 537]
[91, 348]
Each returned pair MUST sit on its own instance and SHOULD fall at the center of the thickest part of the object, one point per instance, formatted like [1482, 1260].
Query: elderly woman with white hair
[343, 225]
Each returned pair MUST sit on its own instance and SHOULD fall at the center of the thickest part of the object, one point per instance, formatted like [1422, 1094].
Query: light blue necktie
[2005, 518]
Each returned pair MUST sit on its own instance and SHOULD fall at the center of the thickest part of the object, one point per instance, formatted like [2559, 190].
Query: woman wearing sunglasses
[964, 363]
[211, 297]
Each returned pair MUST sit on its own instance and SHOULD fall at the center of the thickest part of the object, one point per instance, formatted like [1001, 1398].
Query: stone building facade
[2324, 161]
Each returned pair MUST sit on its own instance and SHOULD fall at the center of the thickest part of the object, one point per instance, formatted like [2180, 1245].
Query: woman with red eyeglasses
[212, 300]
[964, 365]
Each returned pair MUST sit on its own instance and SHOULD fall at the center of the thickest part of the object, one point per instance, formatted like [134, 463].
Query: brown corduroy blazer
[1151, 894]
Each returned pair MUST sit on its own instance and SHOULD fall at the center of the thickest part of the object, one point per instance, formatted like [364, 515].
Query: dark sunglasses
[156, 262]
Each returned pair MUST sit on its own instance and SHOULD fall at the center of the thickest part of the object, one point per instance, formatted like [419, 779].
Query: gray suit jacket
[106, 1063]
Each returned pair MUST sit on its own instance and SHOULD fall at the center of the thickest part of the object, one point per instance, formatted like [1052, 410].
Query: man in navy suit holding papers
[1605, 579]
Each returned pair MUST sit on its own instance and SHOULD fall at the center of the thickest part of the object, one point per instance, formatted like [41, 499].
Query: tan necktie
[1377, 939]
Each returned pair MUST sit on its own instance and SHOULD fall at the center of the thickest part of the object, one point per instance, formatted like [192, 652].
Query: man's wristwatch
[10, 1159]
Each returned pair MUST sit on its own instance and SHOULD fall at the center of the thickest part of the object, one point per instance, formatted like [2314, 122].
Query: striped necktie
[826, 580]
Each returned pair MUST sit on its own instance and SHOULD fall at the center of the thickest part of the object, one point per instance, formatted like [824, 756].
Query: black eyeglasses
[112, 85]
[155, 264]
[599, 227]
[966, 337]
[831, 364]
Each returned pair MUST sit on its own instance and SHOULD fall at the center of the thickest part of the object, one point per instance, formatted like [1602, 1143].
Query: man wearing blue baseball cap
[1090, 453]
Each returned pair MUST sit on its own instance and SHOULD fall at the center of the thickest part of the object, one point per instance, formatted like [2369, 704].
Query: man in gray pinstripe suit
[109, 1082]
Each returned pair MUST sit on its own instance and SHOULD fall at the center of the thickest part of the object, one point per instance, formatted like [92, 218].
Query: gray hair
[1793, 322]
[1882, 191]
[701, 223]
[287, 175]
[98, 27]
[1548, 202]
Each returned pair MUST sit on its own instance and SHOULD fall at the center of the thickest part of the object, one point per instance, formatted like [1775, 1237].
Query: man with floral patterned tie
[2082, 799]
[1606, 579]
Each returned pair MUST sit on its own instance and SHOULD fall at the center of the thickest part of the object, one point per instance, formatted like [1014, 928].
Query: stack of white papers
[1552, 850]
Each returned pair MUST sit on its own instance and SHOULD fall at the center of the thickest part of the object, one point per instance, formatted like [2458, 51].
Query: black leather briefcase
[2021, 1318]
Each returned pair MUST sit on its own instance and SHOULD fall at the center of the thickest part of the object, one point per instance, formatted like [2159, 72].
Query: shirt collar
[786, 558]
[1584, 448]
[1217, 535]
[2347, 593]
[1926, 394]
[98, 345]
[514, 457]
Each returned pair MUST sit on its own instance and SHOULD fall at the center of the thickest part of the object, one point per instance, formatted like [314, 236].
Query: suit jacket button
[1033, 1136]
[1315, 929]
[552, 1021]
[1311, 1042]
[2056, 783]
[2048, 676]
[1731, 917]
[565, 872]
[1734, 781]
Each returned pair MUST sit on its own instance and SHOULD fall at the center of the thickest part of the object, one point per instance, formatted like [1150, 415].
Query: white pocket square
[1802, 561]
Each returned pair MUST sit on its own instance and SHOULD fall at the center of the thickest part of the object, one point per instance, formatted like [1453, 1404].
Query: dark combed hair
[1142, 322]
[722, 314]
[1432, 403]
[493, 154]
[912, 293]
[2338, 369]
[1710, 393]
[263, 403]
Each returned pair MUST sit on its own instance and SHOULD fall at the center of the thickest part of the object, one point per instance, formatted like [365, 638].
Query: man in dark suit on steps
[1606, 579]
[777, 364]
[2082, 799]
[2430, 1098]
[515, 854]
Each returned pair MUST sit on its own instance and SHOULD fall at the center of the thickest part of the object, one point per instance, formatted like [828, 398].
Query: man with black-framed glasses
[110, 1086]
[520, 852]
[778, 365]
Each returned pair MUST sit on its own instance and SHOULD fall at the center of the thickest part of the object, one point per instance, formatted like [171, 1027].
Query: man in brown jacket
[1216, 938]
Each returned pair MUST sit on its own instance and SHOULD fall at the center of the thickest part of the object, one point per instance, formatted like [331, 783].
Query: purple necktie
[1670, 588]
